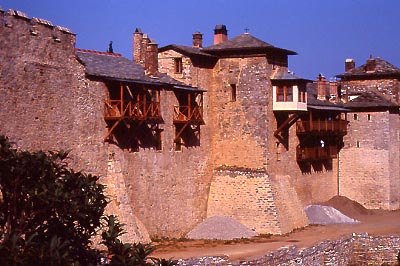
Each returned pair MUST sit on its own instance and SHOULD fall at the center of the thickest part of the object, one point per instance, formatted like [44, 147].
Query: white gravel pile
[318, 214]
[220, 227]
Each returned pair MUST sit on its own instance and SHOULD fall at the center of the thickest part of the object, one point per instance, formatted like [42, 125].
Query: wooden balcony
[322, 127]
[185, 114]
[317, 153]
[117, 109]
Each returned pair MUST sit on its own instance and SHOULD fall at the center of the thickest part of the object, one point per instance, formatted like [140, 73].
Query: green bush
[49, 214]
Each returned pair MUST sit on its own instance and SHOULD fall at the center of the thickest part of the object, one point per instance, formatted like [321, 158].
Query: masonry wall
[49, 104]
[166, 185]
[366, 174]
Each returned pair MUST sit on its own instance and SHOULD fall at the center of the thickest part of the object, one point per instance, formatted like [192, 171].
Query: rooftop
[381, 68]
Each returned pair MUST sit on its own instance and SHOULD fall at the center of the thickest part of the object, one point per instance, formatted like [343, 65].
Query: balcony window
[284, 94]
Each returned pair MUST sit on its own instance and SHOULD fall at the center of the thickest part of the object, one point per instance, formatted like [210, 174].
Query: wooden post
[311, 122]
[189, 114]
[122, 98]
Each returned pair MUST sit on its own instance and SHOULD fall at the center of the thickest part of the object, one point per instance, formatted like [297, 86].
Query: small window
[178, 65]
[358, 144]
[302, 96]
[284, 94]
[369, 117]
[355, 116]
[233, 92]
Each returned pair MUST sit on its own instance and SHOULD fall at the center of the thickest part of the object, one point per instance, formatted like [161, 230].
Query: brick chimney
[349, 64]
[137, 46]
[220, 34]
[321, 87]
[151, 59]
[143, 48]
[371, 64]
[197, 40]
[333, 92]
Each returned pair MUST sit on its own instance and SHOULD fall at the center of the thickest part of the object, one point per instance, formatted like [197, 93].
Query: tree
[49, 214]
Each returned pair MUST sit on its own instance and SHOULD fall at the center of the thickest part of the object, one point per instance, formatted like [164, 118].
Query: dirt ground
[373, 222]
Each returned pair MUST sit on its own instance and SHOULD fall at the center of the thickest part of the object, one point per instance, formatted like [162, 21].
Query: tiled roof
[114, 66]
[313, 101]
[186, 50]
[369, 99]
[286, 75]
[244, 41]
[382, 68]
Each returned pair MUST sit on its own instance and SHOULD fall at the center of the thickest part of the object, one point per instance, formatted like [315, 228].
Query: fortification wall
[240, 126]
[49, 104]
[365, 171]
[166, 185]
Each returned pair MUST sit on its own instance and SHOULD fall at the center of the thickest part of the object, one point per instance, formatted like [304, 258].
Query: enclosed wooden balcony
[322, 127]
[191, 114]
[117, 109]
[316, 153]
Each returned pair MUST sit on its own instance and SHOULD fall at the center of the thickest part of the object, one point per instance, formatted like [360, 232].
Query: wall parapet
[355, 249]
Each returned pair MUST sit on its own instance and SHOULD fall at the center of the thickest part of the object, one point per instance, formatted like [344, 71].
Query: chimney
[137, 46]
[321, 87]
[333, 91]
[143, 48]
[220, 34]
[197, 40]
[151, 59]
[370, 66]
[349, 64]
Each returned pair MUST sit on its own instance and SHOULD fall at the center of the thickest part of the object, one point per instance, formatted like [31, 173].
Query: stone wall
[49, 104]
[166, 185]
[350, 250]
[367, 172]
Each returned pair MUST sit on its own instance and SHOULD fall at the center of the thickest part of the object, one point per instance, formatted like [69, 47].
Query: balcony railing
[115, 109]
[316, 153]
[338, 127]
[183, 114]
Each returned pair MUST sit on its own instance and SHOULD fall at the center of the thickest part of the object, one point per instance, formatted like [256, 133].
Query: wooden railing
[184, 114]
[322, 126]
[316, 153]
[115, 109]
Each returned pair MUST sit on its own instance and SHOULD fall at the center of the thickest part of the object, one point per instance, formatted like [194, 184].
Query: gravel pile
[318, 214]
[220, 227]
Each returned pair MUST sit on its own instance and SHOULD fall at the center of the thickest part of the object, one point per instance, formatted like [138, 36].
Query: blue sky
[323, 32]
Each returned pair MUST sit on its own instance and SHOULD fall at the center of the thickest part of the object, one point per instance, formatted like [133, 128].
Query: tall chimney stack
[349, 64]
[151, 59]
[197, 40]
[220, 34]
[321, 88]
[333, 92]
[137, 45]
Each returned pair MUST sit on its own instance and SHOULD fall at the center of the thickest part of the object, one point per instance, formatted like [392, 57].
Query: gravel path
[220, 227]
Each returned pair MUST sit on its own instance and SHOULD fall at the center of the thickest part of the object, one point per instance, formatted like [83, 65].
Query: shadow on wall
[316, 166]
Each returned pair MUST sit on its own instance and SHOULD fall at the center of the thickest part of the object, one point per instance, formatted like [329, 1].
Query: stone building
[370, 159]
[182, 133]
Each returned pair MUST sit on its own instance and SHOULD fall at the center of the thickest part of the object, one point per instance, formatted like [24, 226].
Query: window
[302, 96]
[178, 65]
[369, 117]
[284, 94]
[355, 116]
[358, 144]
[233, 92]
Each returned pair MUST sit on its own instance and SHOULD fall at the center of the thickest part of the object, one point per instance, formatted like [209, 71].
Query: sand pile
[348, 207]
[318, 214]
[220, 227]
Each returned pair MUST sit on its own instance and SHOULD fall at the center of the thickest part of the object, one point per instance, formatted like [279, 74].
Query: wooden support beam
[112, 129]
[181, 131]
[288, 123]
